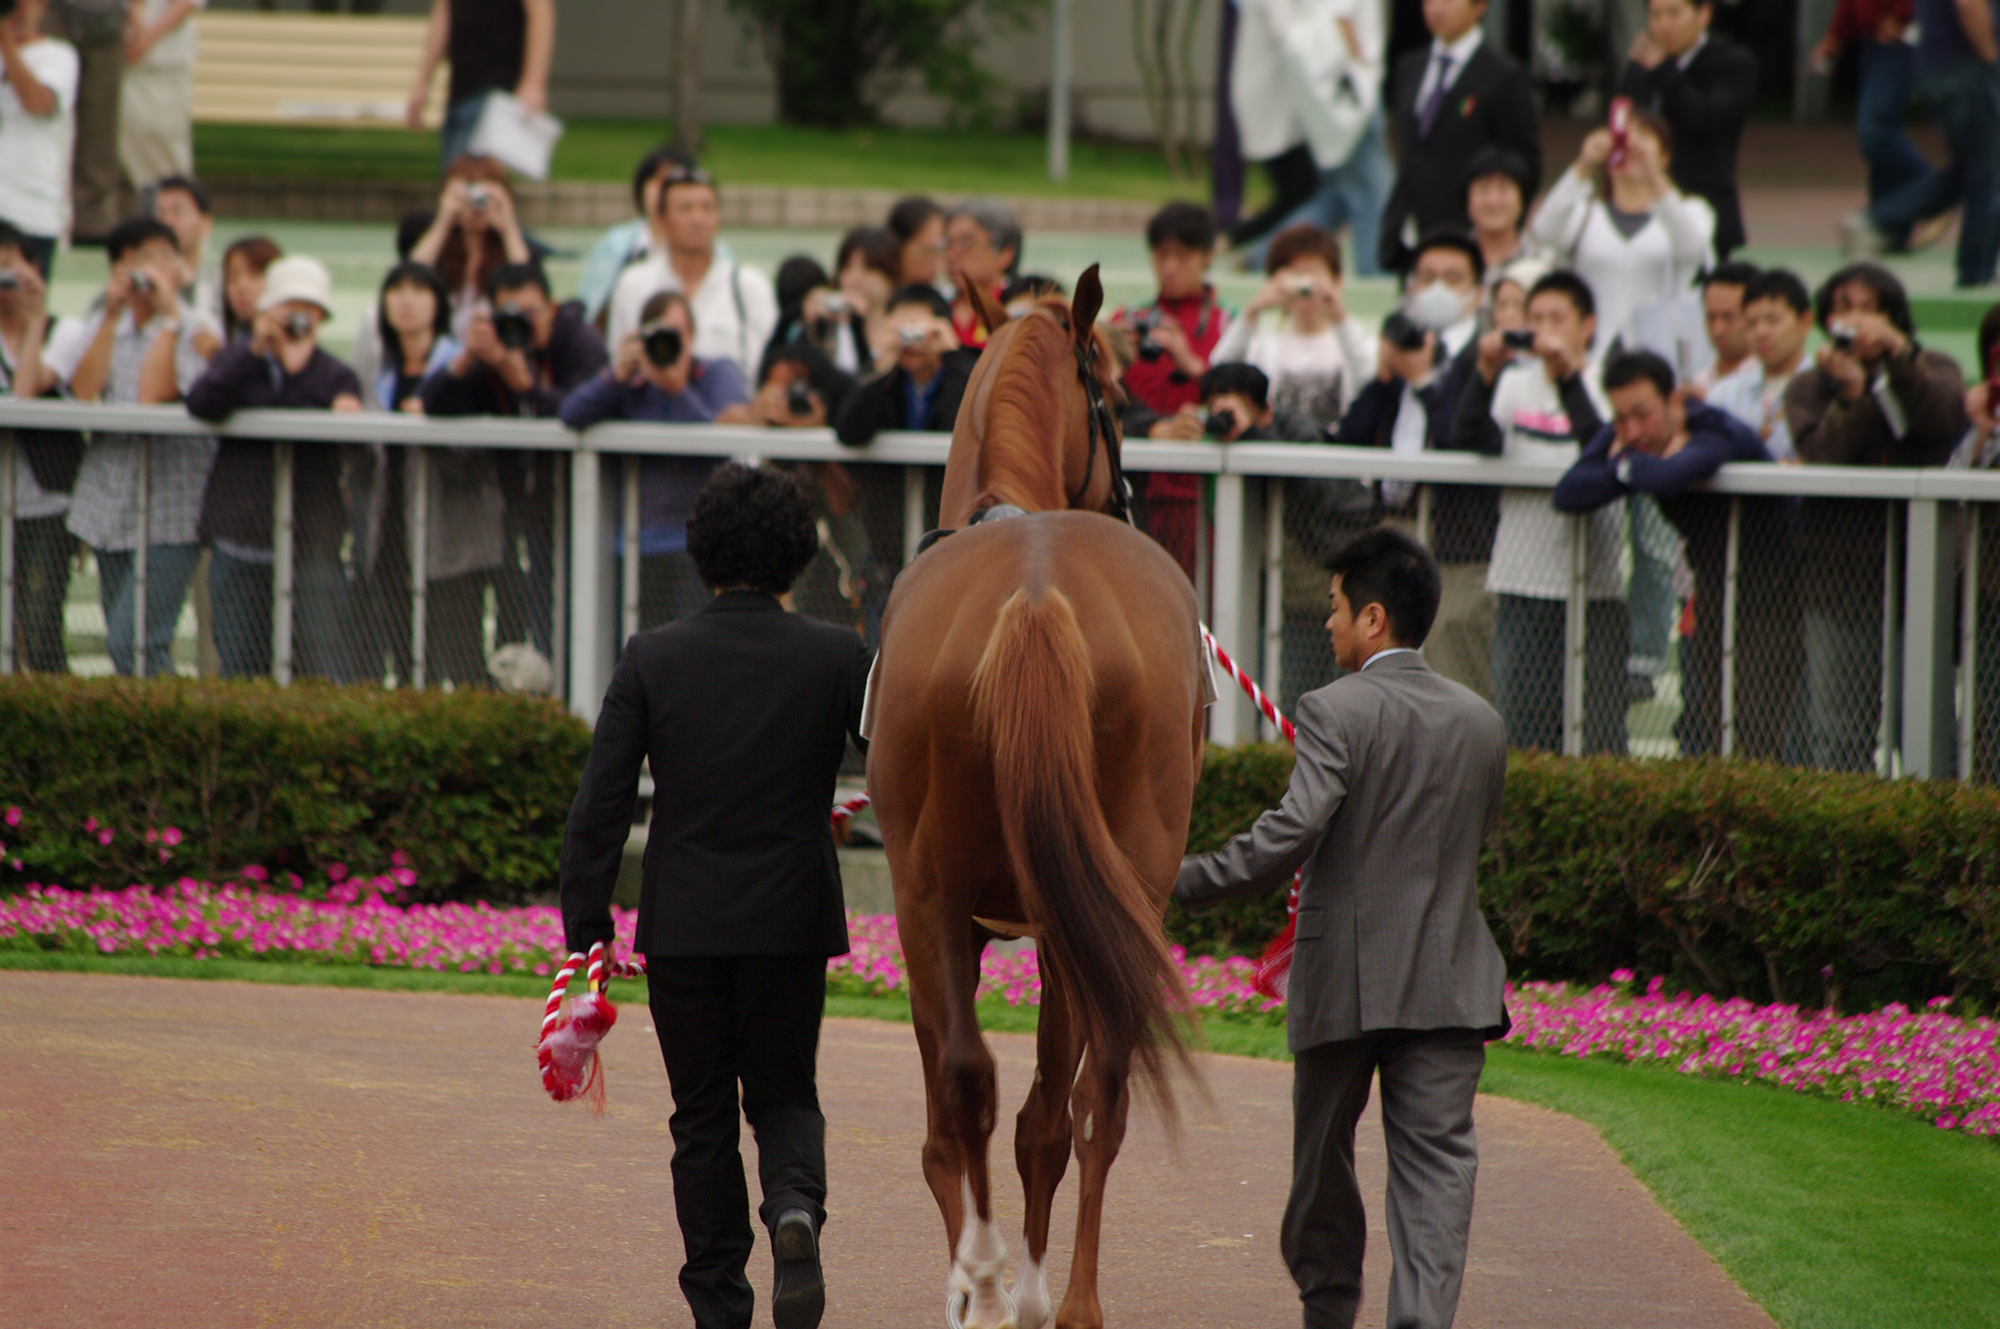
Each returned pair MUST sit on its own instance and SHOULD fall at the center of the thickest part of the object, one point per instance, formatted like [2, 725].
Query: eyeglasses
[686, 175]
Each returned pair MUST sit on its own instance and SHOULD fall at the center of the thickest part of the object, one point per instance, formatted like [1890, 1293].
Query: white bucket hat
[298, 278]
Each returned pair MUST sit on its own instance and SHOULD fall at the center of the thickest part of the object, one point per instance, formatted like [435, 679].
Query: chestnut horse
[1037, 731]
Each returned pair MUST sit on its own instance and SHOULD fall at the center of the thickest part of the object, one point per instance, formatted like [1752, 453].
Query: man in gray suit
[1398, 779]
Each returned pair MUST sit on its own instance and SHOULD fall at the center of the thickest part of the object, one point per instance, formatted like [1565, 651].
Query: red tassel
[571, 1066]
[1274, 966]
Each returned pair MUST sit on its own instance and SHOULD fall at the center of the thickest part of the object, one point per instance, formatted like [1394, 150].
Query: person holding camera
[1701, 83]
[280, 365]
[37, 101]
[1174, 337]
[45, 461]
[1666, 442]
[926, 375]
[1532, 398]
[1874, 397]
[656, 376]
[140, 346]
[472, 235]
[1315, 354]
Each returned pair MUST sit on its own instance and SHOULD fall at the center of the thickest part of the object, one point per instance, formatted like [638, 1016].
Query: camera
[1218, 424]
[1842, 338]
[1518, 339]
[298, 325]
[141, 283]
[1149, 350]
[835, 304]
[477, 197]
[663, 345]
[9, 279]
[1620, 125]
[912, 335]
[798, 398]
[514, 328]
[1402, 332]
[1302, 288]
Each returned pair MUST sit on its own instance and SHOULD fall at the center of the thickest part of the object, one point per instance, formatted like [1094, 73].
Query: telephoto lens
[298, 325]
[663, 346]
[799, 398]
[514, 328]
[1218, 424]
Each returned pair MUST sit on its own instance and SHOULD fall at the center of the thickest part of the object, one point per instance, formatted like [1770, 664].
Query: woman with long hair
[243, 266]
[474, 234]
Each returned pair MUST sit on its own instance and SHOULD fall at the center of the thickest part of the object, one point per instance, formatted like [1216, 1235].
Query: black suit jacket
[1707, 107]
[1463, 517]
[883, 402]
[744, 711]
[1490, 104]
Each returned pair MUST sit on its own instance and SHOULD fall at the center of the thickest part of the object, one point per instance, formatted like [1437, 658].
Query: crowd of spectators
[1599, 325]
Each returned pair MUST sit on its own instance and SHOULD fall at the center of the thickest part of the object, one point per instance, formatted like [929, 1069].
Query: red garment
[971, 332]
[1859, 20]
[1160, 386]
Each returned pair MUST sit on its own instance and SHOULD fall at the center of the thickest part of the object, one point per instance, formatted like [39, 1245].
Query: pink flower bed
[1929, 1063]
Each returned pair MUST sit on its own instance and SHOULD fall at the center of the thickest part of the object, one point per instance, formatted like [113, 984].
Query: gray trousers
[1428, 1080]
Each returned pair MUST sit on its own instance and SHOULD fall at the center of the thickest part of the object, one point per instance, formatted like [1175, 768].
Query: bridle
[1101, 422]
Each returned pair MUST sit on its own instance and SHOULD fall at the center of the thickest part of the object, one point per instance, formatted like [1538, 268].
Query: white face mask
[1436, 307]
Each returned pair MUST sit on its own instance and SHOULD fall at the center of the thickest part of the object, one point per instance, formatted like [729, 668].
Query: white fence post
[1732, 602]
[141, 548]
[1230, 719]
[418, 525]
[1574, 629]
[7, 505]
[1930, 570]
[283, 588]
[913, 511]
[1273, 669]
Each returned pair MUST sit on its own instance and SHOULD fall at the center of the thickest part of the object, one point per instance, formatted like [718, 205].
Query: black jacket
[744, 711]
[1491, 103]
[883, 402]
[573, 354]
[1463, 517]
[236, 506]
[1706, 106]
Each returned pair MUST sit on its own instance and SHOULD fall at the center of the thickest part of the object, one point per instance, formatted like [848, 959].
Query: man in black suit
[1451, 99]
[1702, 84]
[744, 711]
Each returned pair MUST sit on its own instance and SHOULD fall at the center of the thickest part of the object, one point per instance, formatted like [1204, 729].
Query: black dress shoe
[799, 1297]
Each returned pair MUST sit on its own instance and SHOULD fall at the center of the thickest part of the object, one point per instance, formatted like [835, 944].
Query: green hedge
[1728, 877]
[472, 786]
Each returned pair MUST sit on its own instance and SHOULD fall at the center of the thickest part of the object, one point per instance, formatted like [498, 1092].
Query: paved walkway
[214, 1154]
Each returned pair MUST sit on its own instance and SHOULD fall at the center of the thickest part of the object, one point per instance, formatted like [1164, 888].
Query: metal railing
[1930, 702]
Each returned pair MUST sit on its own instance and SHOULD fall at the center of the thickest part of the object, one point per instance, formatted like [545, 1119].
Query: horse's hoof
[956, 1303]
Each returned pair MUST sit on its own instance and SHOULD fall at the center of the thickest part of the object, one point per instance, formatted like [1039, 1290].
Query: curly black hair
[752, 526]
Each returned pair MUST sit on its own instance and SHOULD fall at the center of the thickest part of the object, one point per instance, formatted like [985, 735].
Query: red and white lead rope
[1272, 967]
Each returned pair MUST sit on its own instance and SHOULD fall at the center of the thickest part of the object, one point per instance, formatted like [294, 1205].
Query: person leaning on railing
[1980, 450]
[658, 377]
[1665, 442]
[281, 364]
[45, 461]
[139, 346]
[1875, 397]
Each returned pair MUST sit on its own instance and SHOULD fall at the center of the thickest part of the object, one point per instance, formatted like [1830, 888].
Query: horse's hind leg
[962, 1094]
[1098, 1115]
[1042, 1143]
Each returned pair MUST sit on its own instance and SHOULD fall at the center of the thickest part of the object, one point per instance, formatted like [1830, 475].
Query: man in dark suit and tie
[1450, 100]
[744, 712]
[1702, 84]
[1397, 781]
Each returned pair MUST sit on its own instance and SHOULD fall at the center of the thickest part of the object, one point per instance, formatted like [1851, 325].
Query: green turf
[940, 161]
[1830, 1216]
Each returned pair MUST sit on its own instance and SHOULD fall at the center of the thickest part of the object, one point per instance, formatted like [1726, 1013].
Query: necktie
[1427, 113]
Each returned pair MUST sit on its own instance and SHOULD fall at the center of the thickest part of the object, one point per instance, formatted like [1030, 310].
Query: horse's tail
[1099, 929]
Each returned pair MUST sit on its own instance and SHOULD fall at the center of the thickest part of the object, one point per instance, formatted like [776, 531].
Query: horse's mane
[1027, 398]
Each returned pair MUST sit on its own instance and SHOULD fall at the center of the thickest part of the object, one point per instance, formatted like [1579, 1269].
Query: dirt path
[215, 1154]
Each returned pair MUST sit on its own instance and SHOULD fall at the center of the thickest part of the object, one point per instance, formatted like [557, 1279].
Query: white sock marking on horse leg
[981, 1259]
[1031, 1295]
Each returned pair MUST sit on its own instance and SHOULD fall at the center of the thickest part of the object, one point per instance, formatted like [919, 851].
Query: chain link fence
[1763, 625]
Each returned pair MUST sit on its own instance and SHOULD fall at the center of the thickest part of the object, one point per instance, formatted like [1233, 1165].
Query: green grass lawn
[1831, 1216]
[917, 160]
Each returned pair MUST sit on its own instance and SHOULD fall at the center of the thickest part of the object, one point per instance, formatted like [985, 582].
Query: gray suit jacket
[1398, 780]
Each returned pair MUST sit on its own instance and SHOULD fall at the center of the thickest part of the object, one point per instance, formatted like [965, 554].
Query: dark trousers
[1529, 638]
[1965, 106]
[1428, 1080]
[725, 1020]
[44, 554]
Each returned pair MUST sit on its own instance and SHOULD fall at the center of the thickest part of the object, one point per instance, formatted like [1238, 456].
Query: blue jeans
[455, 135]
[168, 569]
[1528, 644]
[1352, 194]
[239, 598]
[240, 592]
[1888, 76]
[1965, 103]
[1654, 606]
